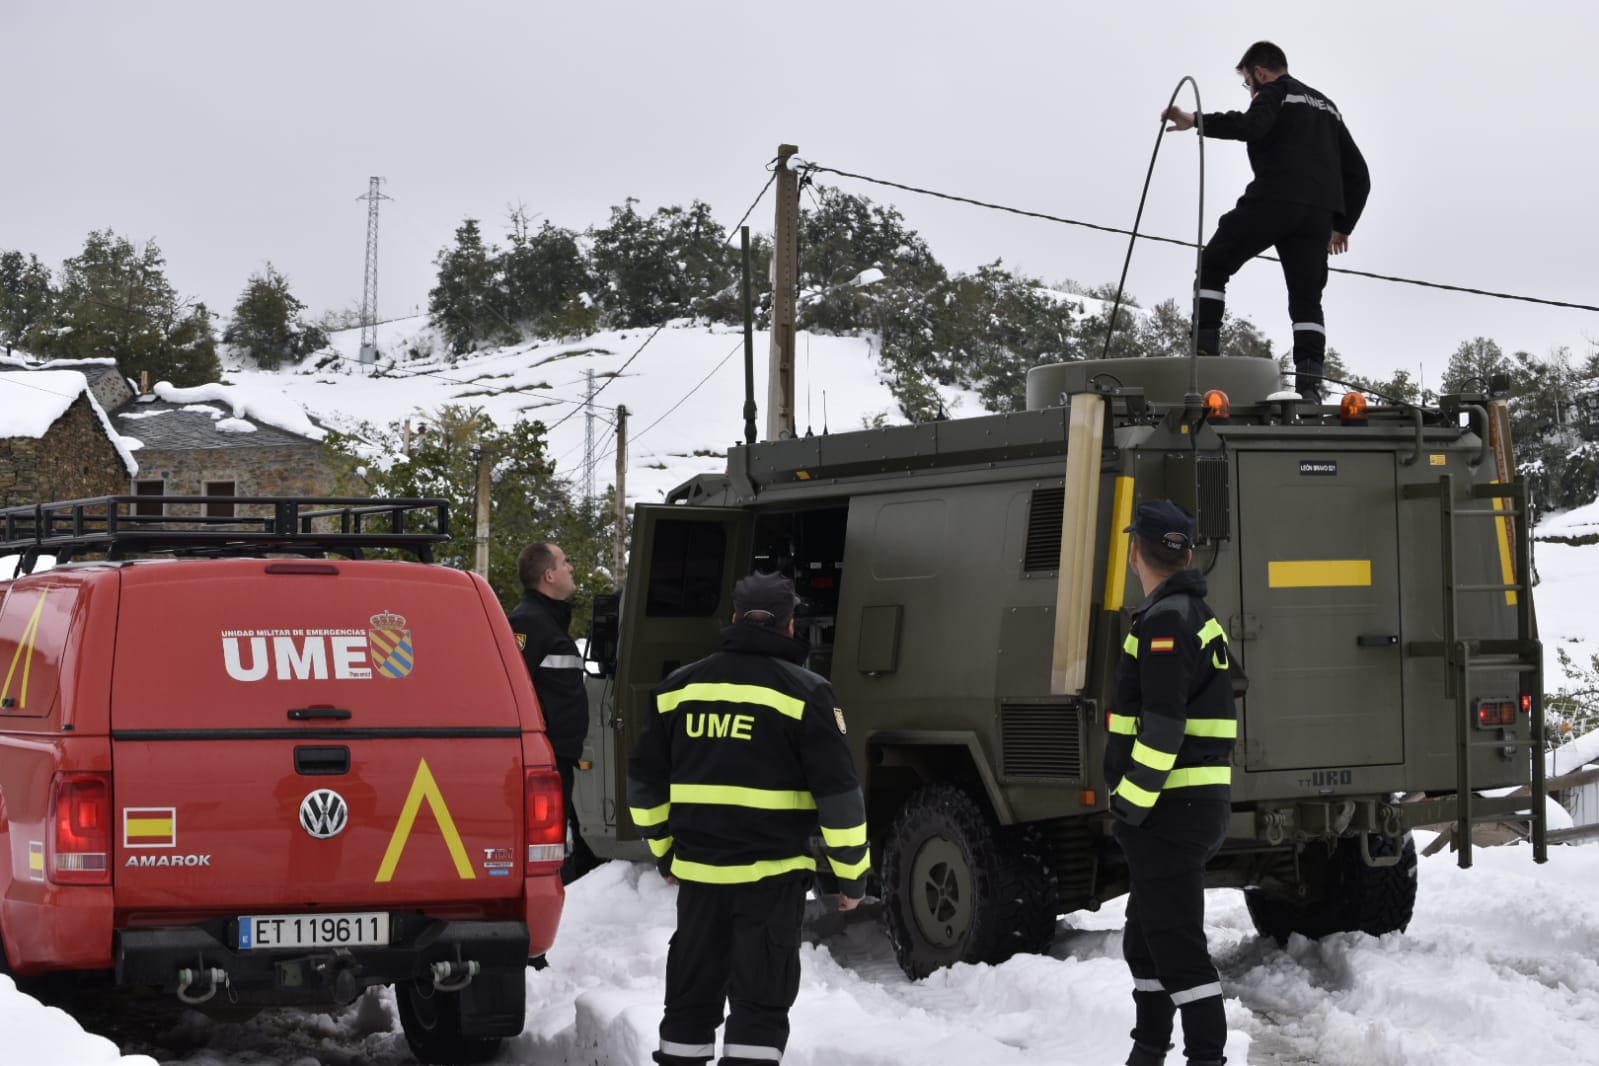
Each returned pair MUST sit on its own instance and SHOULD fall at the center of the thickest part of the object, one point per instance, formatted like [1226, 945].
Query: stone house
[196, 442]
[56, 442]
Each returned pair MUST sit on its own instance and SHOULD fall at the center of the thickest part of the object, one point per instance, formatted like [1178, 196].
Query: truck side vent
[1041, 740]
[1215, 502]
[1043, 529]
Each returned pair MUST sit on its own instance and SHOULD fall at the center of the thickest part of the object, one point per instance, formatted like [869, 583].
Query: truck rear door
[327, 735]
[1320, 595]
[678, 596]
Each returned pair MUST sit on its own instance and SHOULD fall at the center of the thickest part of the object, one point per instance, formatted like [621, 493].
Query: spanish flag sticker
[1163, 644]
[149, 827]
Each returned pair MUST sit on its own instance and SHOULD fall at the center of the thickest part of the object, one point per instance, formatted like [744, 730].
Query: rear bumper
[152, 958]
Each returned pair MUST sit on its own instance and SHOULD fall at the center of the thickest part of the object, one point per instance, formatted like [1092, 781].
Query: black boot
[1147, 1054]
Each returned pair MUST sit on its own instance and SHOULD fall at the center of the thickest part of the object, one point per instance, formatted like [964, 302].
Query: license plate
[365, 929]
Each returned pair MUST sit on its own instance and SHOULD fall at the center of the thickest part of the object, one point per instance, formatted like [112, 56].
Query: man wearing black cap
[1168, 760]
[744, 760]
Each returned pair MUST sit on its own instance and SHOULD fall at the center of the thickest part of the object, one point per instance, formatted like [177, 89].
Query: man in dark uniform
[1168, 760]
[744, 760]
[540, 621]
[1310, 187]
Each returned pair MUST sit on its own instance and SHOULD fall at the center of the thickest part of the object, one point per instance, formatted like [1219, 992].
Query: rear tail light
[545, 817]
[80, 838]
[1494, 713]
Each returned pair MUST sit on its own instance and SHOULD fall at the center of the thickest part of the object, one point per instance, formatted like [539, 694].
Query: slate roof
[163, 426]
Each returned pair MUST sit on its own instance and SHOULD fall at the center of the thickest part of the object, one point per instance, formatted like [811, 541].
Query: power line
[681, 401]
[818, 168]
[750, 210]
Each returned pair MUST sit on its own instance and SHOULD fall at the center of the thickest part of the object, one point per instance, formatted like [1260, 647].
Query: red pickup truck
[277, 777]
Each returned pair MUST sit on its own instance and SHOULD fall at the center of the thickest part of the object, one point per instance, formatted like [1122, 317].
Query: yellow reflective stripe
[854, 836]
[1130, 645]
[1318, 573]
[1116, 569]
[759, 695]
[644, 817]
[766, 799]
[1138, 797]
[1191, 776]
[659, 846]
[1225, 728]
[849, 871]
[1153, 758]
[1124, 724]
[703, 872]
[1211, 629]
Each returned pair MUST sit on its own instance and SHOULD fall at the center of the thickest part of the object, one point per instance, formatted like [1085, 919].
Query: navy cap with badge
[764, 599]
[1163, 524]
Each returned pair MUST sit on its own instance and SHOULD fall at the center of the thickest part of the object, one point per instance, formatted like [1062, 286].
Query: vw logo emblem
[324, 814]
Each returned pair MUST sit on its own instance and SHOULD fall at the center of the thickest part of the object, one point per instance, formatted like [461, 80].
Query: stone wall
[73, 460]
[284, 470]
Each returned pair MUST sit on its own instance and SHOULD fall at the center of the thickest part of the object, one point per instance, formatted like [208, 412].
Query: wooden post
[619, 550]
[485, 468]
[785, 285]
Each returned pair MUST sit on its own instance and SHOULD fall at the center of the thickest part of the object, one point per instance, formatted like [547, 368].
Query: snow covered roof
[31, 401]
[216, 416]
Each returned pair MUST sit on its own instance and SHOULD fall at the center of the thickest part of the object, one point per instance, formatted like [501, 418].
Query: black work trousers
[1164, 941]
[580, 859]
[1300, 235]
[738, 946]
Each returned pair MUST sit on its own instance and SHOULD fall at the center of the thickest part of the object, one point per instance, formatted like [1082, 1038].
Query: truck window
[686, 562]
[33, 631]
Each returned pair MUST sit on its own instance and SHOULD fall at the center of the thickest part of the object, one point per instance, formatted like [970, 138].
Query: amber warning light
[1352, 411]
[1218, 408]
[1492, 713]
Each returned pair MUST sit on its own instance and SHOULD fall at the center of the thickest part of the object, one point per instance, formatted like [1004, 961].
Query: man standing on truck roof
[743, 759]
[541, 621]
[1310, 187]
[1168, 761]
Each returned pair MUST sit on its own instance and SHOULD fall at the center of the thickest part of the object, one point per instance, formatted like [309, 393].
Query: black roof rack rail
[119, 526]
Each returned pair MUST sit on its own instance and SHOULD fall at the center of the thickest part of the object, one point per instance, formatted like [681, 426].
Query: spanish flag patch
[1163, 644]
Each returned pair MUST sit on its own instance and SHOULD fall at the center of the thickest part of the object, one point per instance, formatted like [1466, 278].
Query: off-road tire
[958, 889]
[1344, 894]
[432, 1023]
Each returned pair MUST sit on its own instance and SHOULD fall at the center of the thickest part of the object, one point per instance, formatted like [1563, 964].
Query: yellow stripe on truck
[1116, 569]
[1318, 573]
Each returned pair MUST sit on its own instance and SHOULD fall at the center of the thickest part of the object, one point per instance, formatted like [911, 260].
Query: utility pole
[485, 467]
[369, 291]
[785, 284]
[619, 551]
[588, 440]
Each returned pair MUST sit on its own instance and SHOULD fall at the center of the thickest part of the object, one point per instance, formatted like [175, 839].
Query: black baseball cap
[764, 599]
[1163, 524]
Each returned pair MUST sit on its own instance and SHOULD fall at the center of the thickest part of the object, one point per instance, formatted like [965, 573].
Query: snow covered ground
[1500, 965]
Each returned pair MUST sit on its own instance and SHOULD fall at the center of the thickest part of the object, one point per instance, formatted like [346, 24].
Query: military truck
[966, 590]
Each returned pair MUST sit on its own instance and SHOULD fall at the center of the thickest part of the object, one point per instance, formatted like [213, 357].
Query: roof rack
[119, 526]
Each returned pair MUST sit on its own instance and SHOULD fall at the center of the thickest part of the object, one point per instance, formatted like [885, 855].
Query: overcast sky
[238, 133]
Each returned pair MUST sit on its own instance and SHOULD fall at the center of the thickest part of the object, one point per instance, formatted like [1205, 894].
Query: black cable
[1121, 283]
[1190, 244]
[750, 210]
[681, 401]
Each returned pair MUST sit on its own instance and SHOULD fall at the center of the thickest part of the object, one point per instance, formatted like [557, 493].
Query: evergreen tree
[1473, 366]
[26, 297]
[266, 322]
[115, 300]
[548, 280]
[469, 304]
[669, 265]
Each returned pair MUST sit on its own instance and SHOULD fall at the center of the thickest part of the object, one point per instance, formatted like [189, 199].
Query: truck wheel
[432, 1023]
[954, 890]
[1344, 895]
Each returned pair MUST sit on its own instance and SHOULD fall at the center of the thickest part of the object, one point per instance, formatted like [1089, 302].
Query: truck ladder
[1467, 656]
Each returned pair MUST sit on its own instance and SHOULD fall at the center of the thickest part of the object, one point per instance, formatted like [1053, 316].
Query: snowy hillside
[683, 388]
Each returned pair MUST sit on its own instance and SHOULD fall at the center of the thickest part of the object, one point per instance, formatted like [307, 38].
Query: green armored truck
[966, 590]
